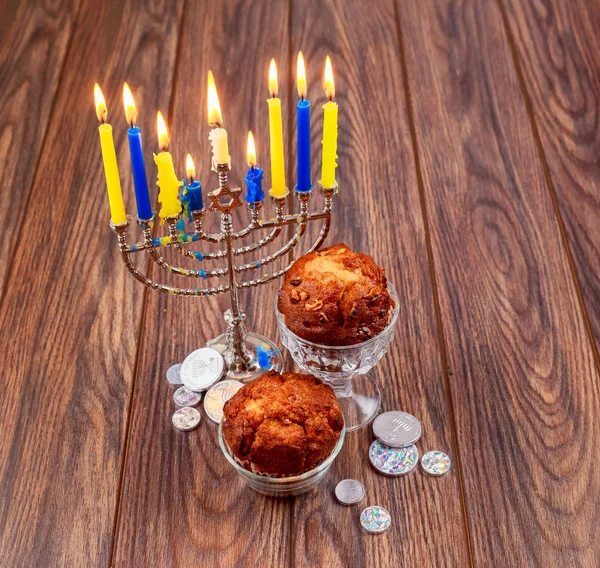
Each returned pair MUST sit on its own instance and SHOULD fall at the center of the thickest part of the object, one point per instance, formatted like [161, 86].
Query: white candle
[220, 148]
[218, 135]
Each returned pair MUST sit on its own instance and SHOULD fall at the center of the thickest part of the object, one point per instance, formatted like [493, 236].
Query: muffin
[335, 296]
[282, 425]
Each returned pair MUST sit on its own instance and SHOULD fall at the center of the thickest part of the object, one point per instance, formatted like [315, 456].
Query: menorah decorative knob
[246, 354]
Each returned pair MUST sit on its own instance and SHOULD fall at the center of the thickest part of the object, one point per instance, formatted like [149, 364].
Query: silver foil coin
[186, 397]
[217, 396]
[435, 463]
[393, 461]
[349, 491]
[174, 374]
[186, 418]
[397, 429]
[375, 520]
[202, 369]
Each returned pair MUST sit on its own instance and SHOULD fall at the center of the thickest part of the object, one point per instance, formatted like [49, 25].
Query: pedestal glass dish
[281, 486]
[345, 368]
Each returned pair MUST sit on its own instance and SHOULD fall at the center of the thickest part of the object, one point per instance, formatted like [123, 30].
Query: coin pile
[201, 371]
[394, 453]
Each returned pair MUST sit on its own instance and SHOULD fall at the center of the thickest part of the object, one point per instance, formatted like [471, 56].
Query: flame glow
[328, 79]
[163, 135]
[301, 76]
[251, 150]
[101, 111]
[129, 105]
[273, 87]
[189, 167]
[214, 108]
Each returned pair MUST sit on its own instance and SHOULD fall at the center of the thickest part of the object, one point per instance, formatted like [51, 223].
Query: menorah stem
[236, 330]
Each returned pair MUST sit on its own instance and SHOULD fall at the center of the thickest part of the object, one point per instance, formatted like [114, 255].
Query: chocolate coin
[375, 520]
[349, 491]
[174, 374]
[397, 429]
[186, 397]
[186, 418]
[393, 461]
[202, 369]
[217, 396]
[435, 463]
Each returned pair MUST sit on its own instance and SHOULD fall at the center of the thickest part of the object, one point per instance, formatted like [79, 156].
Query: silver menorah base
[247, 355]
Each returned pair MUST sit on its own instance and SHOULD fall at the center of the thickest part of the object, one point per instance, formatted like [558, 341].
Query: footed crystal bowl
[345, 368]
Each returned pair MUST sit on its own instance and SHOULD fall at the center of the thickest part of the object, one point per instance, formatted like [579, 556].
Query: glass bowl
[345, 368]
[282, 486]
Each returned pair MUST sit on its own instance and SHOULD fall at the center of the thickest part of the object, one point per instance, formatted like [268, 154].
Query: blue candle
[303, 118]
[194, 190]
[254, 182]
[142, 196]
[303, 168]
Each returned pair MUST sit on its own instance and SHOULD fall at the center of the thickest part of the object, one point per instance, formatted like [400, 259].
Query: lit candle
[218, 135]
[109, 157]
[303, 117]
[194, 189]
[330, 131]
[134, 134]
[278, 188]
[168, 183]
[254, 176]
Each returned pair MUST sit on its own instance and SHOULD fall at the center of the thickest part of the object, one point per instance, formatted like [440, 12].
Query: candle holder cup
[246, 354]
[345, 368]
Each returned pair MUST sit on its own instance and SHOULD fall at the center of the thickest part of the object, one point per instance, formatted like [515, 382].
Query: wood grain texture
[558, 46]
[34, 43]
[524, 382]
[183, 504]
[378, 211]
[71, 315]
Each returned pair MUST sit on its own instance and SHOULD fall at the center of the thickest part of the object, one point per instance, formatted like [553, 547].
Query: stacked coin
[202, 369]
[174, 374]
[349, 491]
[397, 429]
[186, 419]
[217, 396]
[375, 520]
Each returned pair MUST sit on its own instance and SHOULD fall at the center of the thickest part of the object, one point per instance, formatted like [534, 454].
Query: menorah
[238, 346]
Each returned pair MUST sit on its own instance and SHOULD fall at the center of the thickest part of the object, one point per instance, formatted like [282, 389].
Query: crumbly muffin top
[335, 296]
[282, 424]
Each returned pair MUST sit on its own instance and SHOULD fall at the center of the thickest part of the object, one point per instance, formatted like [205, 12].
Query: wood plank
[378, 211]
[32, 52]
[524, 381]
[558, 46]
[183, 505]
[71, 314]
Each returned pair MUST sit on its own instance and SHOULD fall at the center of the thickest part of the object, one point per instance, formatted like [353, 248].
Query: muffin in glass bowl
[282, 432]
[337, 315]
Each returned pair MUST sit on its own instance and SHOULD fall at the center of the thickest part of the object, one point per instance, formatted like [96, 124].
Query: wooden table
[468, 166]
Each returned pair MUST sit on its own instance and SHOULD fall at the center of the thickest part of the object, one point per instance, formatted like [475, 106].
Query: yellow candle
[278, 187]
[330, 131]
[217, 136]
[168, 183]
[109, 157]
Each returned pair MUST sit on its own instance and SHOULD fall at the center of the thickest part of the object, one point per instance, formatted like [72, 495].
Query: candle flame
[273, 87]
[328, 80]
[129, 104]
[301, 76]
[214, 108]
[163, 135]
[189, 167]
[101, 111]
[251, 150]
